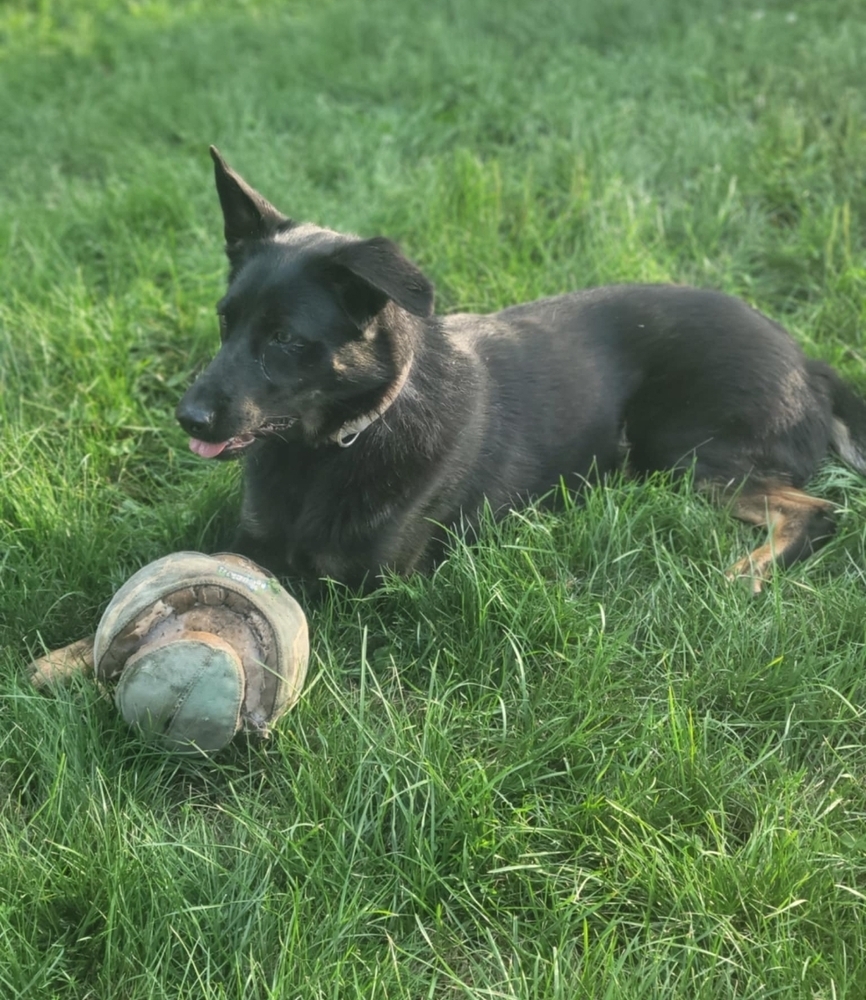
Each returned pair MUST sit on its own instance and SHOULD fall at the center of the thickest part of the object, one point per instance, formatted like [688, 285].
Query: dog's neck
[348, 434]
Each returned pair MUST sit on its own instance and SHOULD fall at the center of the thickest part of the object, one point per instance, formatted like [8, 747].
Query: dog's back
[687, 377]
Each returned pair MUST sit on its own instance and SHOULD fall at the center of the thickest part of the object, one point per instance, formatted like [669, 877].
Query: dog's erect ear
[247, 215]
[384, 274]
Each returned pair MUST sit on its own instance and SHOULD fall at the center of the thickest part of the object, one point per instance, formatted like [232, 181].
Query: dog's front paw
[755, 572]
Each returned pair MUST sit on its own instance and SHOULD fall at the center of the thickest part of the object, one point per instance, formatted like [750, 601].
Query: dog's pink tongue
[205, 448]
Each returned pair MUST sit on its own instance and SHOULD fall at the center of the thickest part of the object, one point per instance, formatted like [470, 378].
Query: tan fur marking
[793, 394]
[787, 514]
[844, 445]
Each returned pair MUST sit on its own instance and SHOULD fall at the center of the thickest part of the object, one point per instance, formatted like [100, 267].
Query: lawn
[575, 763]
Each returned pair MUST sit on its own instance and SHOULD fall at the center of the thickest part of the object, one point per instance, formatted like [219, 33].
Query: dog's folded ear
[247, 215]
[378, 272]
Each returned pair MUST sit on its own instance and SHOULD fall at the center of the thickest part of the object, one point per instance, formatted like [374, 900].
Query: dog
[370, 427]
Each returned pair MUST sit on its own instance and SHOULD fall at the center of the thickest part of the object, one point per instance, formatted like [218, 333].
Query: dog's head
[313, 327]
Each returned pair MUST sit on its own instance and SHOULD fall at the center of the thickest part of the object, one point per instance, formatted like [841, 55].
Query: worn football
[200, 648]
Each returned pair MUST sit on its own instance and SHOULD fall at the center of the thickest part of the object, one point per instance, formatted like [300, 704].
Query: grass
[572, 764]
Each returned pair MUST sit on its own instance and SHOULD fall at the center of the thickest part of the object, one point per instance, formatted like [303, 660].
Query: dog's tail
[848, 431]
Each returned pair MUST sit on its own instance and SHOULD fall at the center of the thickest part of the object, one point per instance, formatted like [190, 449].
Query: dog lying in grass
[369, 426]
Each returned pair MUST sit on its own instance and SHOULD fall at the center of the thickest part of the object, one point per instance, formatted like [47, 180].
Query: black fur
[320, 328]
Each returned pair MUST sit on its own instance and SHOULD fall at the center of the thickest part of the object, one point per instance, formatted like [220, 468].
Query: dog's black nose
[197, 420]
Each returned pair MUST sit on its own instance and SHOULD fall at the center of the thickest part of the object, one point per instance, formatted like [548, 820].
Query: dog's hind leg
[798, 525]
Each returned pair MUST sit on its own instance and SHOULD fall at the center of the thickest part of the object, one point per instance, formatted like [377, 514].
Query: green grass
[575, 763]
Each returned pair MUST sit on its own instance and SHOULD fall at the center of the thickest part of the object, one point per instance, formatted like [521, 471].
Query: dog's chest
[304, 507]
[279, 485]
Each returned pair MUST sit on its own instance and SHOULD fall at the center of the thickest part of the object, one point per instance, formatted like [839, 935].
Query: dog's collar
[348, 434]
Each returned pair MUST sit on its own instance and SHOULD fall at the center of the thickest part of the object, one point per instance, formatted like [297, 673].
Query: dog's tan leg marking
[794, 520]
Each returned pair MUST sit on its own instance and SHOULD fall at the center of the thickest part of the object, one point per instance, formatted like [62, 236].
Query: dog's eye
[286, 340]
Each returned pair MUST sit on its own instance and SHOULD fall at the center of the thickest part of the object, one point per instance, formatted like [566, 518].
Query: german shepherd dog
[369, 426]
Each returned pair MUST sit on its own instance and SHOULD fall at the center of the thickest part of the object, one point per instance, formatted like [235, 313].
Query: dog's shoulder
[465, 330]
